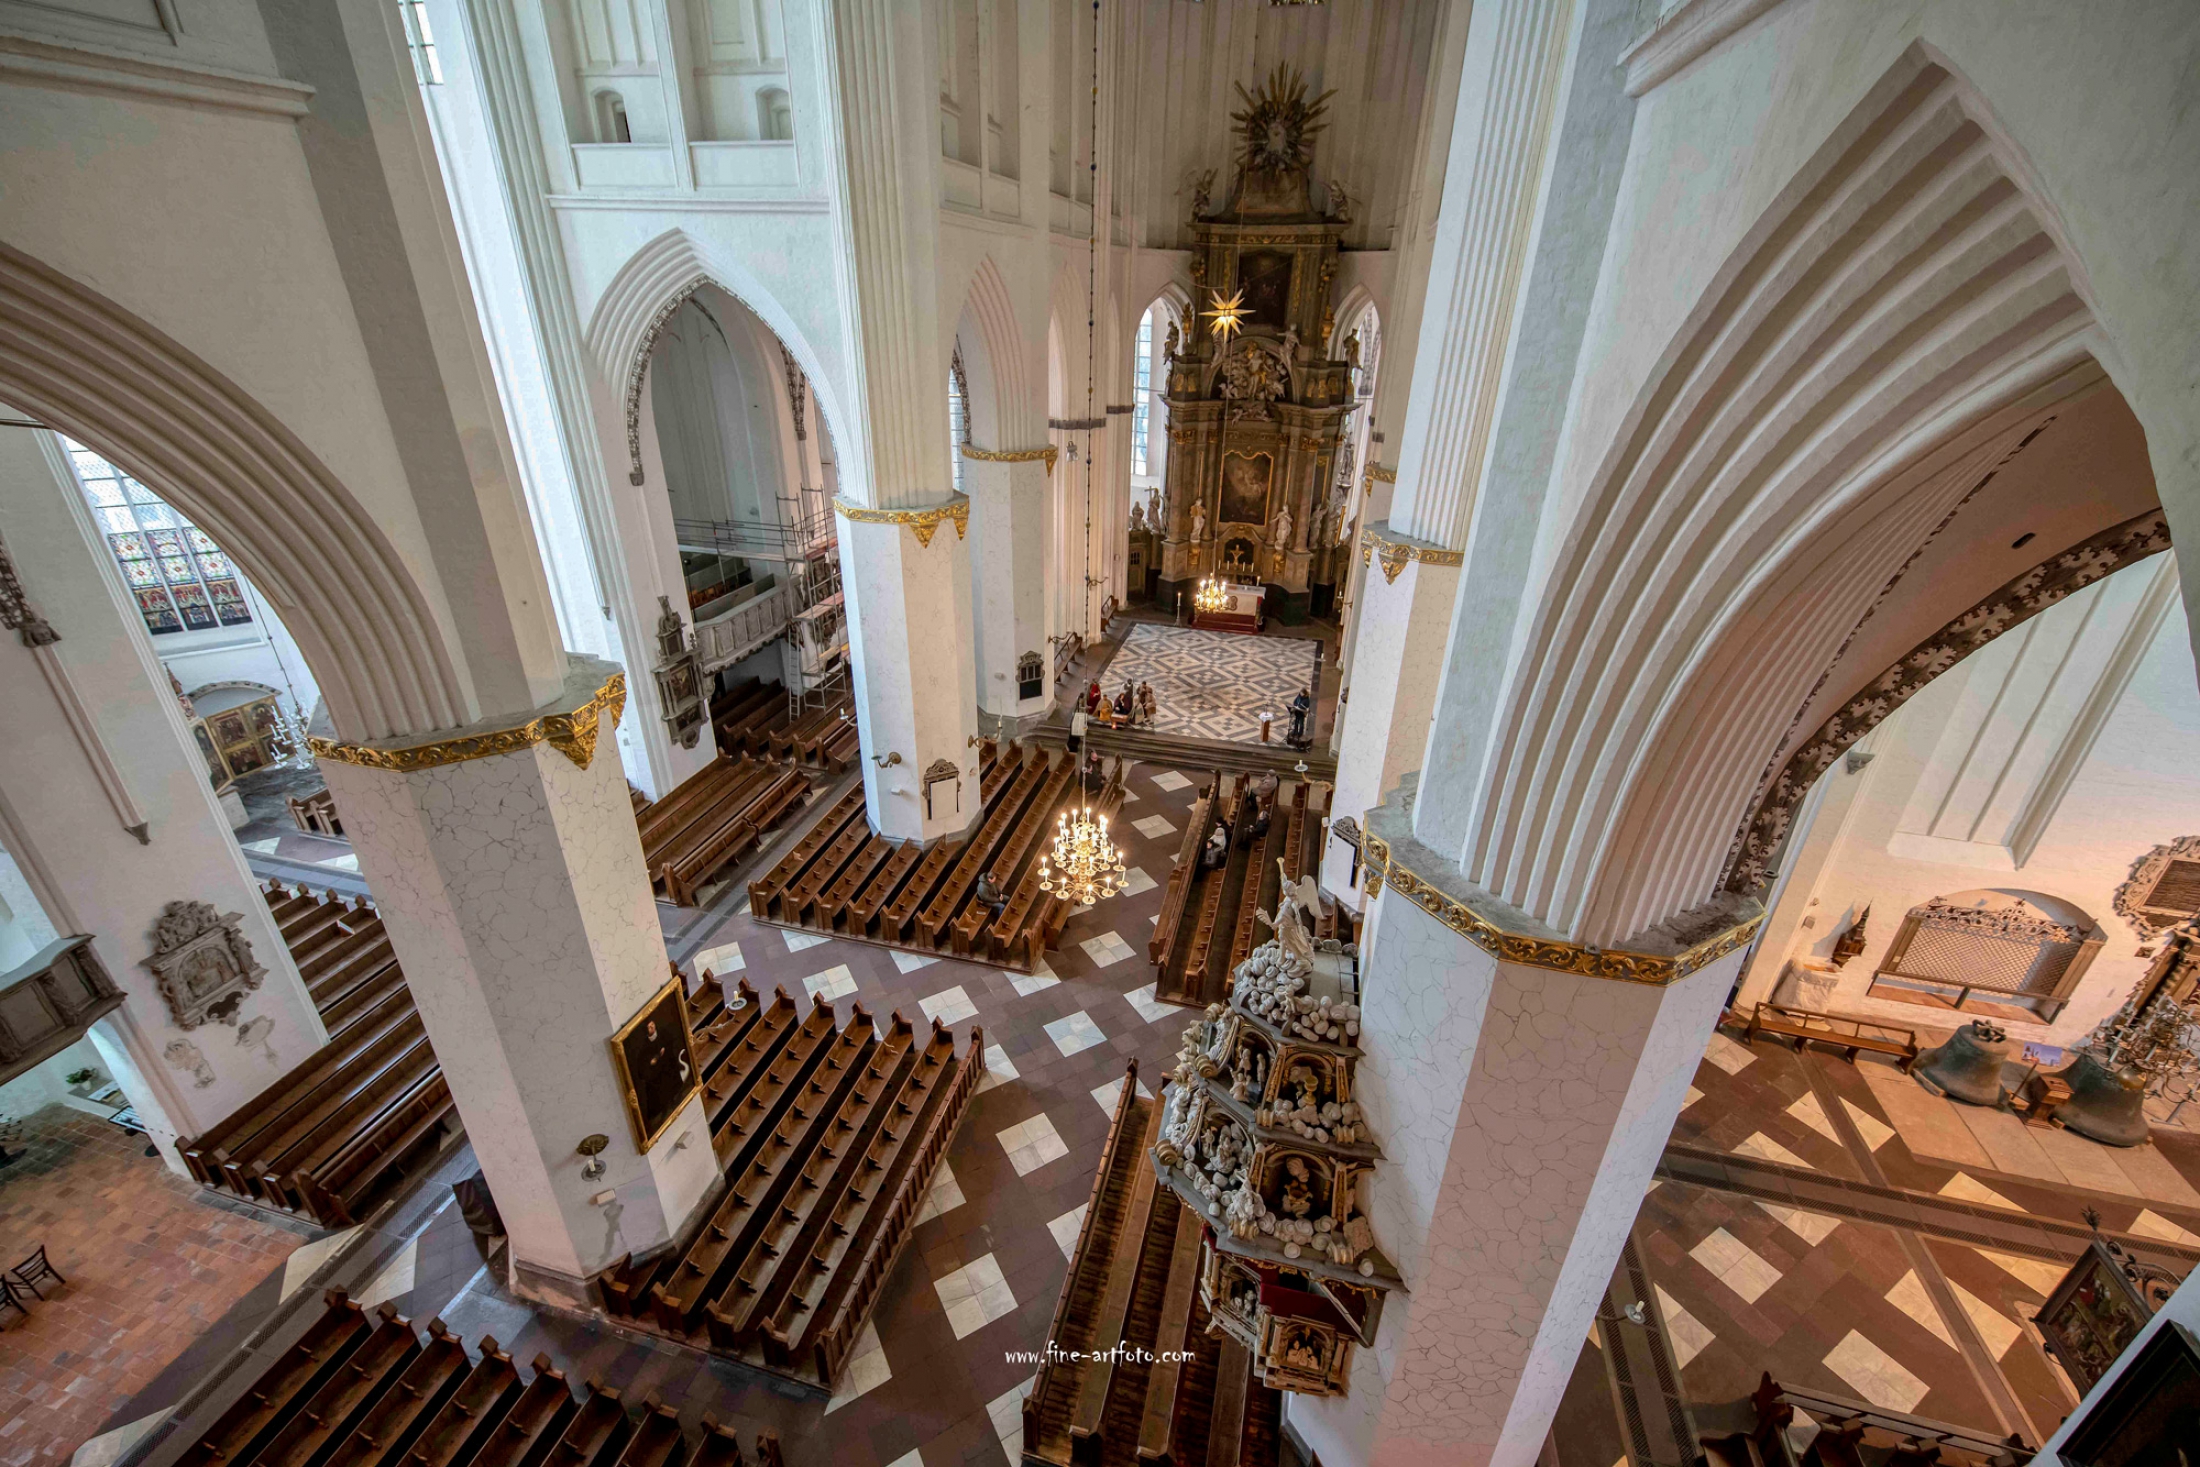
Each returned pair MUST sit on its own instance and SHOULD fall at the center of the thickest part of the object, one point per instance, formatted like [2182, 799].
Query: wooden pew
[766, 894]
[1009, 866]
[283, 1388]
[977, 853]
[1182, 877]
[346, 1397]
[315, 814]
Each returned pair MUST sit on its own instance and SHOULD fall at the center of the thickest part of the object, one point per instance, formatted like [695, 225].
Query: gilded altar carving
[202, 963]
[924, 523]
[1256, 406]
[571, 733]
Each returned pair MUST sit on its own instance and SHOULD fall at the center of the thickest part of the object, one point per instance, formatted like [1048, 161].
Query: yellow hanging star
[1228, 314]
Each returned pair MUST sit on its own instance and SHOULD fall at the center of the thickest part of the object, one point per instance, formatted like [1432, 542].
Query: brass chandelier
[1086, 866]
[1210, 596]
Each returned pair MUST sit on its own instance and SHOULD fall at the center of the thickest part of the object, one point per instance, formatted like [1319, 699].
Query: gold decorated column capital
[1617, 964]
[1012, 455]
[1379, 542]
[924, 522]
[571, 728]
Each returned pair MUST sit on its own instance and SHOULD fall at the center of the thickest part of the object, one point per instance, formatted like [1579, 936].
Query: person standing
[1301, 707]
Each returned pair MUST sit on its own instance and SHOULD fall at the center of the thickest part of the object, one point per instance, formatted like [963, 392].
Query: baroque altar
[1256, 403]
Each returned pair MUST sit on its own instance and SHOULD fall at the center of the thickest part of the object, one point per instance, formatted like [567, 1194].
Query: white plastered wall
[2105, 785]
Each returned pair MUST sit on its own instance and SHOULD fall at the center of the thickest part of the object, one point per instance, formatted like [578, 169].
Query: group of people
[1130, 708]
[1247, 823]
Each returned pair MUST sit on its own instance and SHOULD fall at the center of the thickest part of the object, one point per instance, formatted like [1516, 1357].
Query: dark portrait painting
[1245, 487]
[1265, 277]
[2149, 1416]
[655, 1056]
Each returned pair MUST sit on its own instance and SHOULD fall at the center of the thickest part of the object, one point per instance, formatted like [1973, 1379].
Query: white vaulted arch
[85, 366]
[1899, 322]
[654, 282]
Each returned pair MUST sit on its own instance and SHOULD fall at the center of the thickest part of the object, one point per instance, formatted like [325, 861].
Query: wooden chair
[30, 1270]
[11, 1299]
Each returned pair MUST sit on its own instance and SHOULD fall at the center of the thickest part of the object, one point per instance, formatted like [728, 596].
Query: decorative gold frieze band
[923, 521]
[1012, 455]
[572, 734]
[1394, 551]
[1540, 952]
[1377, 474]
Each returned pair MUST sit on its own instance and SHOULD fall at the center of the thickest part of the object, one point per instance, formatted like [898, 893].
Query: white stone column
[1009, 522]
[1404, 611]
[1500, 139]
[903, 552]
[92, 733]
[908, 606]
[1521, 1107]
[512, 885]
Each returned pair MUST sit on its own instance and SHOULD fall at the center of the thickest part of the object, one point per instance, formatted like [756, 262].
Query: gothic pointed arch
[82, 364]
[653, 283]
[1847, 396]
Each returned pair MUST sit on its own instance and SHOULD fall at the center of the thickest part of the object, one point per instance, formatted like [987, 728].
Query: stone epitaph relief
[655, 1056]
[2163, 889]
[679, 678]
[204, 965]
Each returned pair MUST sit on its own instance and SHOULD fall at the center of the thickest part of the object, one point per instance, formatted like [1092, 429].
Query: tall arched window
[958, 416]
[611, 119]
[1142, 369]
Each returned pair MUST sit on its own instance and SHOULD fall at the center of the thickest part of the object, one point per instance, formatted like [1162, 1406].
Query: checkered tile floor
[1214, 685]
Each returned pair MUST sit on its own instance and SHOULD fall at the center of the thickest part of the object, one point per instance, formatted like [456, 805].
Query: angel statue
[1352, 352]
[1168, 347]
[1203, 184]
[1340, 202]
[1294, 897]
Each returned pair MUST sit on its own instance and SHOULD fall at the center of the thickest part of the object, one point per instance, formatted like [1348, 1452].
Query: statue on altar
[1280, 538]
[1199, 523]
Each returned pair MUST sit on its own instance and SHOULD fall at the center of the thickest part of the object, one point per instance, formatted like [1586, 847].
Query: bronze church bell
[2105, 1105]
[1968, 1066]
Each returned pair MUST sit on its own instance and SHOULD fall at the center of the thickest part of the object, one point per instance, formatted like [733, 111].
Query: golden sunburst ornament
[1228, 314]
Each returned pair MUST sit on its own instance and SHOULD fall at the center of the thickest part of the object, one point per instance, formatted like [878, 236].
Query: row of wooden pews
[1208, 922]
[754, 718]
[844, 880]
[351, 1122]
[712, 819]
[1133, 1283]
[829, 1137]
[367, 1390]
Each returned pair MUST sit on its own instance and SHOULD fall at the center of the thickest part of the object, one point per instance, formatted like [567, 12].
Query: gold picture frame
[654, 1055]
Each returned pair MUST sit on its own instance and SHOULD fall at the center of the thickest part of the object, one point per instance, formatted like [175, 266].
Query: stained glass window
[180, 577]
